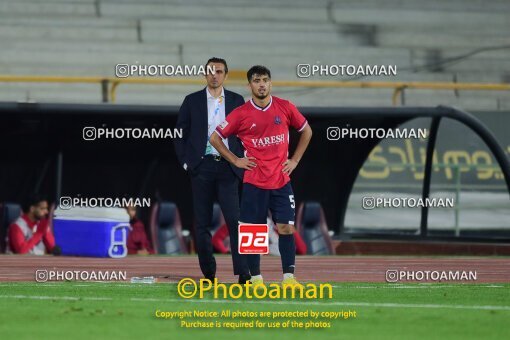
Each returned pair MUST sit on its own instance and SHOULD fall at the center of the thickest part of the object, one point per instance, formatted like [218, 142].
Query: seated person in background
[30, 233]
[220, 240]
[221, 246]
[137, 242]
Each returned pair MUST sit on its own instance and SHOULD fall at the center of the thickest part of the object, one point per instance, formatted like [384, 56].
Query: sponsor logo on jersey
[267, 141]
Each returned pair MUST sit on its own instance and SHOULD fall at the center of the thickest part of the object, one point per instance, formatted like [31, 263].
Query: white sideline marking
[42, 297]
[336, 303]
[420, 286]
[60, 284]
[431, 285]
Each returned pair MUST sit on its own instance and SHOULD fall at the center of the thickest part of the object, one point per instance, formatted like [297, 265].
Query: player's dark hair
[259, 70]
[31, 200]
[218, 60]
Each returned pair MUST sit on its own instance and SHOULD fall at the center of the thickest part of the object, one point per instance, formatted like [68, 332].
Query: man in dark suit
[211, 174]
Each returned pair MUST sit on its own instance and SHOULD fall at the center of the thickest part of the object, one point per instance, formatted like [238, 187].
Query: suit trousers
[211, 179]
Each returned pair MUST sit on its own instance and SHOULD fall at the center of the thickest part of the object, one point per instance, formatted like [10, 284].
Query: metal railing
[109, 85]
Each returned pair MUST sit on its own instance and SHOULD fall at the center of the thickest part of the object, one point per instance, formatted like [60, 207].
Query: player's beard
[38, 217]
[261, 96]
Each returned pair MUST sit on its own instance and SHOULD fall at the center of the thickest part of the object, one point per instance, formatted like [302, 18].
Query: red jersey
[264, 133]
[28, 237]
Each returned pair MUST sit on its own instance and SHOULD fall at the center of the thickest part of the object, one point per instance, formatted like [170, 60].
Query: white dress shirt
[215, 116]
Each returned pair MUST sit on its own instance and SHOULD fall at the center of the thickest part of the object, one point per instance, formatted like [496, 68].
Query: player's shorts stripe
[303, 126]
[219, 133]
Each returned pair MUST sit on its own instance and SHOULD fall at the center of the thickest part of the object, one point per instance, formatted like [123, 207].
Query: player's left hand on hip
[288, 166]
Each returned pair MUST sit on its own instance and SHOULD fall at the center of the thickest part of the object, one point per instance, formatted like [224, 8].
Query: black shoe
[243, 278]
[210, 277]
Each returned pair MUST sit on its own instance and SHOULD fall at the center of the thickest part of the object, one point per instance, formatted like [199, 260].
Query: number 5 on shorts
[292, 203]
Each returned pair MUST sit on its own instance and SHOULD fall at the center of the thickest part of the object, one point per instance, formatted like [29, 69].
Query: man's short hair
[218, 60]
[258, 69]
[31, 200]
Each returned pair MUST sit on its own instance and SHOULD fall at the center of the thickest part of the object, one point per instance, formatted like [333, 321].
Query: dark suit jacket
[192, 120]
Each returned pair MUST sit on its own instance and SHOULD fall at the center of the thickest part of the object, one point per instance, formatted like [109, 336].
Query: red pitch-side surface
[308, 268]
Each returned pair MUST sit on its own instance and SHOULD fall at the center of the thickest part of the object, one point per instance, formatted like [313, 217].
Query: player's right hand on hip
[247, 163]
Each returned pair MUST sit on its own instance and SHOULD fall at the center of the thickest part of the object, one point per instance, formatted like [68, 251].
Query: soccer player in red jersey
[262, 124]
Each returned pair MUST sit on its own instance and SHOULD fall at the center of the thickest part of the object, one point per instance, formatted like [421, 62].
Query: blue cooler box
[96, 232]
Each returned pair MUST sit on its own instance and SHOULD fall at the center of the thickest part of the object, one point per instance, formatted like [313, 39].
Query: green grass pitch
[85, 310]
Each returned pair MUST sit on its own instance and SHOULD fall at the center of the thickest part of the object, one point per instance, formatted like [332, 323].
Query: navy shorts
[255, 203]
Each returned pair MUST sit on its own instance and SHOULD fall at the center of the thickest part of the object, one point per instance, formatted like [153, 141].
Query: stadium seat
[311, 225]
[87, 38]
[166, 229]
[8, 213]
